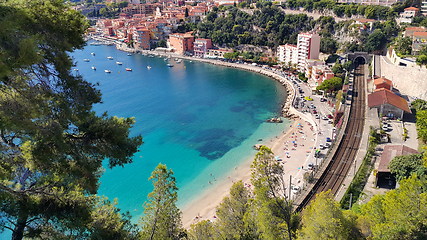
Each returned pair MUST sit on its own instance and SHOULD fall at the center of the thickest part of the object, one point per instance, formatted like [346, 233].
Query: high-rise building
[308, 47]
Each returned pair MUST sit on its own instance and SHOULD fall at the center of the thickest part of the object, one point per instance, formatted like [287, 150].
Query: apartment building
[141, 37]
[288, 54]
[308, 48]
[181, 42]
[424, 8]
[201, 47]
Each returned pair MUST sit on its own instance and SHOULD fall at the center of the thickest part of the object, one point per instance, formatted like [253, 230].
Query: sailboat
[110, 57]
[119, 63]
[93, 68]
[107, 71]
[128, 68]
[93, 54]
[148, 67]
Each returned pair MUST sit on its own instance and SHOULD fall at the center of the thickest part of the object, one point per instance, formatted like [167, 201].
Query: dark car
[330, 116]
[314, 111]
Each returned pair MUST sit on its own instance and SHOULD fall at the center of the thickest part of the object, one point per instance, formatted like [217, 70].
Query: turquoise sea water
[197, 118]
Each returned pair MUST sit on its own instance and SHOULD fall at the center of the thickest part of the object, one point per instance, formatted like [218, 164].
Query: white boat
[129, 54]
[119, 63]
[107, 71]
[179, 61]
[110, 57]
[129, 69]
[93, 54]
[93, 68]
[169, 65]
[75, 69]
[176, 59]
[148, 67]
[86, 60]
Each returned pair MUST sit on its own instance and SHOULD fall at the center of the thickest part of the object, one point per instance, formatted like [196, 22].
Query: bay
[199, 119]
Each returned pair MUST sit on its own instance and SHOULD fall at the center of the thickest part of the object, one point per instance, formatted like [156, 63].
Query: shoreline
[203, 207]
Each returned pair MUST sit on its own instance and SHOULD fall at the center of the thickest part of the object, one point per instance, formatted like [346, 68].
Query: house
[409, 31]
[419, 39]
[366, 24]
[201, 47]
[181, 42]
[217, 53]
[288, 54]
[383, 82]
[408, 14]
[424, 7]
[383, 175]
[319, 74]
[388, 104]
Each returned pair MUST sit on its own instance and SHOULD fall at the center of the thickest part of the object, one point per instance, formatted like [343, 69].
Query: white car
[385, 128]
[310, 166]
[321, 147]
[295, 189]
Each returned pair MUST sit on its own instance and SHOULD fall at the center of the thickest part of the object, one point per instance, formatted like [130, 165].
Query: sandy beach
[293, 159]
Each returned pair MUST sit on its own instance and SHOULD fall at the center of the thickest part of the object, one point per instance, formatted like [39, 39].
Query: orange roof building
[388, 104]
[383, 83]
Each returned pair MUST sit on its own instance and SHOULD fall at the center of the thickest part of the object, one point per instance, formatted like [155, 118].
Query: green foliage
[376, 41]
[324, 219]
[401, 213]
[271, 213]
[337, 68]
[162, 219]
[328, 45]
[201, 231]
[405, 166]
[162, 43]
[332, 84]
[53, 144]
[403, 46]
[421, 124]
[421, 60]
[347, 66]
[231, 212]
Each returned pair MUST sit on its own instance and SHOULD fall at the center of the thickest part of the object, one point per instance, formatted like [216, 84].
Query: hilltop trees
[52, 143]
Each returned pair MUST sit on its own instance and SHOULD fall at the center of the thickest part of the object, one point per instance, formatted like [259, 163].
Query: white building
[424, 8]
[307, 48]
[288, 53]
[387, 3]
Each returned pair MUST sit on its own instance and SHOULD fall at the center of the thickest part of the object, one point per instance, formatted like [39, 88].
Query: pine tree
[51, 141]
[162, 219]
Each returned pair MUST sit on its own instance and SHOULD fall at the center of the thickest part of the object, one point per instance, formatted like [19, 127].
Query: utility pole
[290, 186]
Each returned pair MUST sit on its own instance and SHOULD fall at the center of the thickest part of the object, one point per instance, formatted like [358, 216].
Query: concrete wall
[411, 81]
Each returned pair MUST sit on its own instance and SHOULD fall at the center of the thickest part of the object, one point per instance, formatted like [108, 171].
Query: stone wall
[410, 81]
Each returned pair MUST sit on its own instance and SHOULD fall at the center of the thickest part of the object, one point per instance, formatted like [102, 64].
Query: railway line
[342, 160]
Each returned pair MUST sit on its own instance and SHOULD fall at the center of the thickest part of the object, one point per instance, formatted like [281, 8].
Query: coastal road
[342, 160]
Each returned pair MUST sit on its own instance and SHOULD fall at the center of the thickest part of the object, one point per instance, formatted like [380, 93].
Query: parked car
[385, 128]
[317, 116]
[327, 145]
[295, 189]
[330, 116]
[310, 166]
[321, 147]
[328, 139]
[324, 118]
[314, 111]
[330, 121]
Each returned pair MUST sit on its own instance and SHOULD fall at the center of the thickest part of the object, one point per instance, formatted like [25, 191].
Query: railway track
[342, 160]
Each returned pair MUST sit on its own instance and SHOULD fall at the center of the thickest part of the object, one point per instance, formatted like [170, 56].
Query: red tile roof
[411, 9]
[382, 80]
[415, 28]
[382, 96]
[420, 34]
[391, 151]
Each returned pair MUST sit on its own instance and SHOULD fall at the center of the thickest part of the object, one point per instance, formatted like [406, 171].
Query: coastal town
[350, 164]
